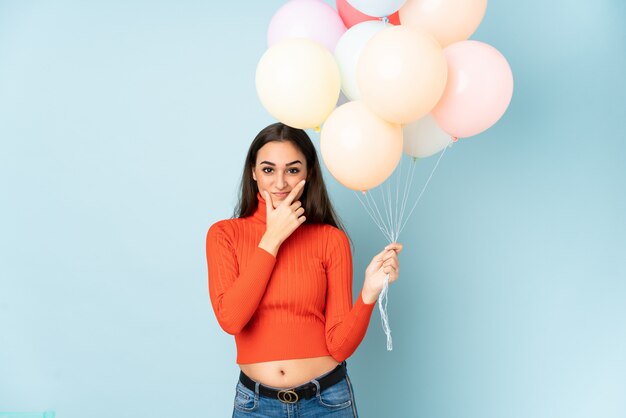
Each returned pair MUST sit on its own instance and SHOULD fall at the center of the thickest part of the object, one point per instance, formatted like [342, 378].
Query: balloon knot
[363, 191]
[454, 139]
[317, 129]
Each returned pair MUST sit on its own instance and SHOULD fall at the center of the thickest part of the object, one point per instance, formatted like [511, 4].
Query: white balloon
[377, 8]
[348, 51]
[424, 137]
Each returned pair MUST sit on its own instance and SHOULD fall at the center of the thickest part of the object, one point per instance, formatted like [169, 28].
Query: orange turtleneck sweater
[295, 305]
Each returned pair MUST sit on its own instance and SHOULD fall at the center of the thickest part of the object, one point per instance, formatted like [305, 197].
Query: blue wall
[123, 127]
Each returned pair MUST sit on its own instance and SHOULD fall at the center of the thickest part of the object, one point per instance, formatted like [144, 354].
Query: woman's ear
[253, 174]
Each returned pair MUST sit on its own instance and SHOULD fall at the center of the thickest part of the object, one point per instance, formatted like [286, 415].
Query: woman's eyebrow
[288, 164]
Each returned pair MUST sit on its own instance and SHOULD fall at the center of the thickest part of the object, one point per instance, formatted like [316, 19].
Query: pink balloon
[352, 16]
[478, 91]
[311, 19]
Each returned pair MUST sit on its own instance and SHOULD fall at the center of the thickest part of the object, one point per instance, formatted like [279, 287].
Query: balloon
[401, 74]
[311, 19]
[479, 89]
[298, 82]
[349, 50]
[360, 149]
[352, 16]
[447, 20]
[424, 138]
[377, 8]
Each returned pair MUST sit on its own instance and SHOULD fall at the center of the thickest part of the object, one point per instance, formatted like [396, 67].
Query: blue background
[123, 128]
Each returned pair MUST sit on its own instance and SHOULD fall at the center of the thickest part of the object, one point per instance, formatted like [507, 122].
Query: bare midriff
[289, 373]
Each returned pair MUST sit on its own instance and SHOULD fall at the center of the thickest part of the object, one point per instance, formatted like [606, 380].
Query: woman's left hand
[383, 263]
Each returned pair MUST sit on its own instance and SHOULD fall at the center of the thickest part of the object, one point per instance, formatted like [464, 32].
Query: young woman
[280, 281]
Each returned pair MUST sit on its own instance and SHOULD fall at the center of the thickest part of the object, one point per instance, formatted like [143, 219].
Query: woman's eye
[267, 169]
[293, 171]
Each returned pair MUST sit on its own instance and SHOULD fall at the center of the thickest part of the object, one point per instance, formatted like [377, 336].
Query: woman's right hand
[282, 220]
[384, 263]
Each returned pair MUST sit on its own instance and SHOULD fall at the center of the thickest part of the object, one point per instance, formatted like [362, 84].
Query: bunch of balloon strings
[390, 206]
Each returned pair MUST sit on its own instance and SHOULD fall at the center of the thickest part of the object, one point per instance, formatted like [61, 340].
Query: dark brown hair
[315, 200]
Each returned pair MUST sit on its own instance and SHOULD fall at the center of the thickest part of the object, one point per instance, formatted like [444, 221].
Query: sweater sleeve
[346, 325]
[235, 290]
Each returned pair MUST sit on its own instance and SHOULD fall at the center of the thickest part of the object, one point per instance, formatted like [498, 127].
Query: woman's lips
[281, 194]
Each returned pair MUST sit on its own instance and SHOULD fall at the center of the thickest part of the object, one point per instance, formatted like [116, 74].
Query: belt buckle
[287, 396]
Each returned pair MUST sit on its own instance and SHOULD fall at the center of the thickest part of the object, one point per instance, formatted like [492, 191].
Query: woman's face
[279, 167]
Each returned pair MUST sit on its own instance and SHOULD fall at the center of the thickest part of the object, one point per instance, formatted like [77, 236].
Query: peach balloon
[447, 20]
[360, 149]
[479, 90]
[401, 74]
[298, 82]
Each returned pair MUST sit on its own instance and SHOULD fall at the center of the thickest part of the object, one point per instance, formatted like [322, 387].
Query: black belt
[306, 391]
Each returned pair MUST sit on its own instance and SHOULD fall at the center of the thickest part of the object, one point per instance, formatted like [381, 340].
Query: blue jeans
[336, 401]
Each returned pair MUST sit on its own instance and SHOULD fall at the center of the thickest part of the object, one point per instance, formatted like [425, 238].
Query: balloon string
[397, 206]
[372, 201]
[369, 212]
[407, 188]
[383, 294]
[392, 223]
[386, 207]
[369, 199]
[372, 215]
[383, 312]
[391, 226]
[423, 188]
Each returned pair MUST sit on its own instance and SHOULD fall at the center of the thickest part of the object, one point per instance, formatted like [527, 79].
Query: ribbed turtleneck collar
[261, 210]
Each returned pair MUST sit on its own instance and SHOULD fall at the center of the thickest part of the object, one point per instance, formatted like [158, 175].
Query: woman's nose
[280, 181]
